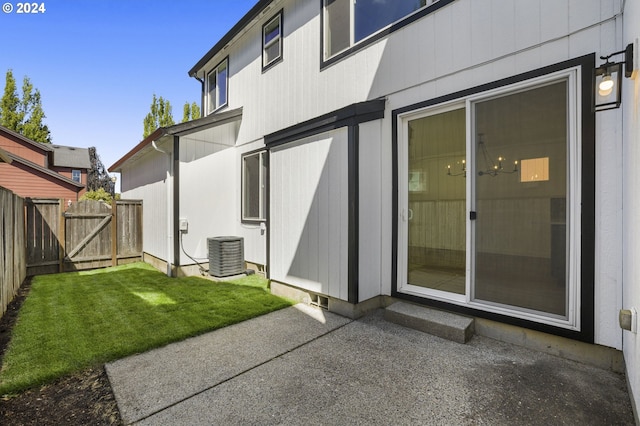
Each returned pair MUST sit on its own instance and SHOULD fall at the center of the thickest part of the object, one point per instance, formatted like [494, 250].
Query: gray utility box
[226, 256]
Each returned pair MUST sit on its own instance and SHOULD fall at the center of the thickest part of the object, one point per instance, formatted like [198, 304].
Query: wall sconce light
[607, 80]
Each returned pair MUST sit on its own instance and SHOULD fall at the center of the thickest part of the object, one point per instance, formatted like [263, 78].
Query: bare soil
[84, 398]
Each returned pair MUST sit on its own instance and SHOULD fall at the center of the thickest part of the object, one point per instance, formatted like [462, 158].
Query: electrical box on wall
[184, 225]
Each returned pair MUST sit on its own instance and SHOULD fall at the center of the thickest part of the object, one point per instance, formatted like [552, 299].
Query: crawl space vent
[226, 256]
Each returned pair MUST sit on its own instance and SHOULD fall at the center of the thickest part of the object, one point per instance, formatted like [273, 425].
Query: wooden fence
[12, 249]
[89, 234]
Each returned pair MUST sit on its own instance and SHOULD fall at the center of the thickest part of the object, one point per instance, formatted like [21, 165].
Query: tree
[32, 114]
[160, 116]
[10, 104]
[24, 115]
[190, 112]
[100, 195]
[97, 176]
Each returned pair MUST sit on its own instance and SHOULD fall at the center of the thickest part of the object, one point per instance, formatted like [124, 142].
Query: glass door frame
[572, 321]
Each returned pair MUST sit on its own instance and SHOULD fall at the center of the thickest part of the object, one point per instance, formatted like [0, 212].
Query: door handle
[410, 214]
[473, 215]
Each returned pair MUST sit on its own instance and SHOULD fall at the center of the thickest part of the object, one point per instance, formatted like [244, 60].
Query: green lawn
[77, 320]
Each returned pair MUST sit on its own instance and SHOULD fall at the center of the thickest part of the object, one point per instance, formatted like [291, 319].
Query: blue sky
[97, 63]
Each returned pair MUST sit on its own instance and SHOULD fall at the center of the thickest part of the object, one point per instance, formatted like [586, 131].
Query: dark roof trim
[348, 116]
[42, 146]
[234, 31]
[182, 129]
[44, 170]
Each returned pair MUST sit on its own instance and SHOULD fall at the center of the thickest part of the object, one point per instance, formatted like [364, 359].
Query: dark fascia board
[41, 146]
[353, 114]
[181, 129]
[234, 31]
[46, 171]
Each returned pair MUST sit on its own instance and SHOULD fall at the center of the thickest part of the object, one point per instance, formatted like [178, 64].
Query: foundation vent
[226, 256]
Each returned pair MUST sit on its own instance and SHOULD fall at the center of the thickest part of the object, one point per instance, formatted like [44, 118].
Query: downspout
[176, 203]
[201, 95]
[169, 209]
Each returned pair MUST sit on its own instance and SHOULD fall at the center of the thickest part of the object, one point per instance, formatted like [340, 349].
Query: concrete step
[439, 323]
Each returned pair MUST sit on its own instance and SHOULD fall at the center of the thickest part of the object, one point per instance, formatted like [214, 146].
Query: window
[217, 86]
[347, 22]
[254, 186]
[272, 41]
[76, 175]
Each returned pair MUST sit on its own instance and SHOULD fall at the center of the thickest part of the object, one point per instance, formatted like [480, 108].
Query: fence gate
[89, 234]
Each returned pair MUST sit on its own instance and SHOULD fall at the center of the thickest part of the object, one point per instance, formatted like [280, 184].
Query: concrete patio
[303, 365]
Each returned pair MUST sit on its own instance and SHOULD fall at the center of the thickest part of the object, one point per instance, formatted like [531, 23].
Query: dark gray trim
[280, 14]
[176, 202]
[348, 116]
[252, 14]
[364, 43]
[587, 64]
[354, 211]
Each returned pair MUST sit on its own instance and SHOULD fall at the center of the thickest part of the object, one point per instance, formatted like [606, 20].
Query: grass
[78, 320]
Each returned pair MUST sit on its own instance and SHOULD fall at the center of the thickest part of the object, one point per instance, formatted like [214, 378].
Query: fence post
[61, 236]
[114, 232]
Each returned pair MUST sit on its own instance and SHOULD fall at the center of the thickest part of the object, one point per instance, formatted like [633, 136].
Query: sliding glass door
[489, 202]
[520, 143]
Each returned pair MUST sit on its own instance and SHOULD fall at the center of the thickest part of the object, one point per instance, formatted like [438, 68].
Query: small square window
[76, 176]
[217, 86]
[272, 41]
[254, 186]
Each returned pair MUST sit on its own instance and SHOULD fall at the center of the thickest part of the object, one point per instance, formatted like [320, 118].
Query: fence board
[82, 239]
[12, 247]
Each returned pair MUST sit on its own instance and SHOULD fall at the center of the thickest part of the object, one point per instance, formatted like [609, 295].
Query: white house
[446, 152]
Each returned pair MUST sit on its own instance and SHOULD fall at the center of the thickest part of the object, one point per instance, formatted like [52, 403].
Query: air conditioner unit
[226, 256]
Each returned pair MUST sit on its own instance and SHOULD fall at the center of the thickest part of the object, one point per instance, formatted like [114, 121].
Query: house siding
[26, 182]
[148, 179]
[630, 225]
[309, 214]
[23, 150]
[462, 45]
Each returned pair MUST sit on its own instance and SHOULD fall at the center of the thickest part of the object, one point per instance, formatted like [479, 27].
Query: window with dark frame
[272, 41]
[76, 175]
[217, 86]
[254, 186]
[347, 22]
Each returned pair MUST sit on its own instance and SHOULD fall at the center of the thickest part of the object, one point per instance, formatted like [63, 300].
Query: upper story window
[76, 175]
[272, 41]
[347, 22]
[218, 86]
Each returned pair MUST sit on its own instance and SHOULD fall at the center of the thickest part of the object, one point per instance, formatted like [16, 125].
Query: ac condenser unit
[226, 256]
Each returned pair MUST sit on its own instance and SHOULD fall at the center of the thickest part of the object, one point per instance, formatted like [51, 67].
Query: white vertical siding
[309, 216]
[147, 179]
[371, 227]
[208, 201]
[631, 203]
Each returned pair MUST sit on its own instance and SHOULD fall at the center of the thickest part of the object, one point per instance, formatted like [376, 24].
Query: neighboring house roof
[45, 147]
[255, 12]
[181, 129]
[4, 157]
[44, 170]
[69, 156]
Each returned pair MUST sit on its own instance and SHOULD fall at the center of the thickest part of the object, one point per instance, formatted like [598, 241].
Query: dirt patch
[79, 399]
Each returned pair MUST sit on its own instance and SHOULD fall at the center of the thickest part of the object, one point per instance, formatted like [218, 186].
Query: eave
[181, 129]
